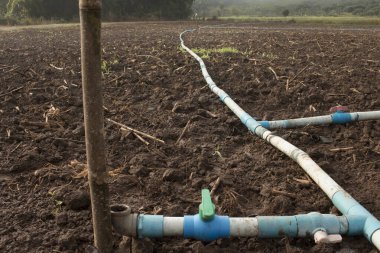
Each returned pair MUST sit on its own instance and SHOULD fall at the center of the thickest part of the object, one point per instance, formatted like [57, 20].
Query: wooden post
[90, 16]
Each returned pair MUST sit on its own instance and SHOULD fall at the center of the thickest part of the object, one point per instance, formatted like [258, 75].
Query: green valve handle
[206, 208]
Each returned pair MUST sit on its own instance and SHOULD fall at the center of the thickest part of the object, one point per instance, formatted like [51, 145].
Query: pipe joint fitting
[245, 117]
[265, 124]
[356, 224]
[196, 228]
[341, 118]
[319, 230]
[151, 226]
[223, 96]
[123, 221]
[309, 224]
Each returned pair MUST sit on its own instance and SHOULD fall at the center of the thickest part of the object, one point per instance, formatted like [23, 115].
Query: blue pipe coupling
[196, 228]
[151, 226]
[341, 118]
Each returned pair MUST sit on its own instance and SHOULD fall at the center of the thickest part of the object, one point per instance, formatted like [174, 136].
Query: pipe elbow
[123, 221]
[196, 228]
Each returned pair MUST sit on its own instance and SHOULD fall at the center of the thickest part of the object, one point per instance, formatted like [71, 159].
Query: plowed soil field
[276, 71]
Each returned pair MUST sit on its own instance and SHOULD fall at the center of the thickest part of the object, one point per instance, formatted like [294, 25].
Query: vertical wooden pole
[90, 16]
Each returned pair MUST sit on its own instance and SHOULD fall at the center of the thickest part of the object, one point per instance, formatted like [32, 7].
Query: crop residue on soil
[151, 85]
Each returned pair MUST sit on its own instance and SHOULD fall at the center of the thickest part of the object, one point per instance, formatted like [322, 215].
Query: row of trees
[112, 9]
[115, 10]
[162, 9]
[209, 8]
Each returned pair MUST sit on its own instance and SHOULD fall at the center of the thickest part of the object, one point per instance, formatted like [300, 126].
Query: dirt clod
[62, 219]
[173, 175]
[142, 246]
[68, 240]
[77, 200]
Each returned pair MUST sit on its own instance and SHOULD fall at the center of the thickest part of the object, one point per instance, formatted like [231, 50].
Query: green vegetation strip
[311, 19]
[205, 52]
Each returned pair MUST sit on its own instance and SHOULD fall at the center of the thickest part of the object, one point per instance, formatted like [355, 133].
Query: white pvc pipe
[319, 120]
[320, 177]
[368, 115]
[244, 227]
[173, 226]
[376, 239]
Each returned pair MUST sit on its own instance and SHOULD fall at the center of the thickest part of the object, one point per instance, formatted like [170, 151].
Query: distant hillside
[295, 7]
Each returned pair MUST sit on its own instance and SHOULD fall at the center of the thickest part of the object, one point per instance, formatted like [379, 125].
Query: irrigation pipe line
[207, 226]
[338, 117]
[345, 203]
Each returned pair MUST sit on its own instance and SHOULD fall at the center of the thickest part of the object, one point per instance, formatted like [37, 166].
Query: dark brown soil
[152, 86]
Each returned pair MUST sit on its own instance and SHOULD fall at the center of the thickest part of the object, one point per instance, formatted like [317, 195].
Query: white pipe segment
[376, 239]
[320, 177]
[244, 227]
[318, 120]
[374, 115]
[173, 226]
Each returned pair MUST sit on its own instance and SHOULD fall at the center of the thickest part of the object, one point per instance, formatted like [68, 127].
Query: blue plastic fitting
[244, 118]
[308, 224]
[265, 124]
[347, 205]
[196, 228]
[359, 219]
[356, 224]
[223, 96]
[300, 225]
[341, 117]
[151, 226]
[249, 122]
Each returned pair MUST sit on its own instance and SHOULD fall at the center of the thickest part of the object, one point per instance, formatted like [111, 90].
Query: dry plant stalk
[81, 170]
[290, 195]
[52, 112]
[183, 131]
[274, 72]
[124, 127]
[215, 186]
[299, 73]
[303, 182]
[340, 149]
[140, 138]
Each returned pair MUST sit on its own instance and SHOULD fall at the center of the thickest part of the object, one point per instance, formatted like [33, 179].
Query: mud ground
[286, 71]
